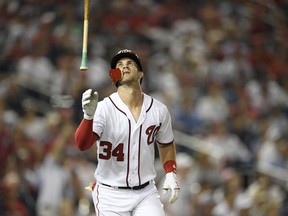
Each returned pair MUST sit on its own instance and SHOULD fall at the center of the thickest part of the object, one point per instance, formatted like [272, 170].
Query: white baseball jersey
[126, 148]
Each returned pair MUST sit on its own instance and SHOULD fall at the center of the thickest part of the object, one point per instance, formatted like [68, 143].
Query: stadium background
[220, 66]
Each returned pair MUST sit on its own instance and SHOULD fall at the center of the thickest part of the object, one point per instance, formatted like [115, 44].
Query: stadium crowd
[220, 66]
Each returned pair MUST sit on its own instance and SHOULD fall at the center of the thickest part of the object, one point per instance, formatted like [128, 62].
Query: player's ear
[140, 74]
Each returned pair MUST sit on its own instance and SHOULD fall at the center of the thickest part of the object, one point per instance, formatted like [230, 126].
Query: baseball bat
[85, 35]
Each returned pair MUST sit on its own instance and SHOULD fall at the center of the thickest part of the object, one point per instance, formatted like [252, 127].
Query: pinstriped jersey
[126, 147]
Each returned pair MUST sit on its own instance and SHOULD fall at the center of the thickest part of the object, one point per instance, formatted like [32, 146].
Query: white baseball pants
[110, 201]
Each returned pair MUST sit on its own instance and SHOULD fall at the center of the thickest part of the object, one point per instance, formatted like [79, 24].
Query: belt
[139, 187]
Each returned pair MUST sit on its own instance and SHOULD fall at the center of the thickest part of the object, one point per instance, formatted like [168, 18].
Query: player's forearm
[84, 136]
[167, 154]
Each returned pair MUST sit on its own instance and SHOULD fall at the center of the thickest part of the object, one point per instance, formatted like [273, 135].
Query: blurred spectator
[35, 71]
[66, 77]
[263, 204]
[11, 203]
[205, 169]
[186, 119]
[205, 178]
[231, 199]
[265, 95]
[33, 124]
[13, 95]
[212, 106]
[277, 156]
[273, 150]
[225, 146]
[266, 195]
[55, 186]
[203, 201]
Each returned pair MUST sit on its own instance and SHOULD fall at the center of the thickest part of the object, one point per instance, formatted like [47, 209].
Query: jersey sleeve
[99, 120]
[165, 133]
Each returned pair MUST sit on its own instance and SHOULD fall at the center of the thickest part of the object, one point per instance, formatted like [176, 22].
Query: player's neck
[132, 97]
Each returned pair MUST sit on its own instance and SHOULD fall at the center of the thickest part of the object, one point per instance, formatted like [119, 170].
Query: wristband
[85, 116]
[170, 166]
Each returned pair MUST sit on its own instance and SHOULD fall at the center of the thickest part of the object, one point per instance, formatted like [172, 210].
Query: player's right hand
[171, 184]
[89, 103]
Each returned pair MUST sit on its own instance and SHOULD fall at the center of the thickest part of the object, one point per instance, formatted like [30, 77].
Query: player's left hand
[89, 103]
[171, 184]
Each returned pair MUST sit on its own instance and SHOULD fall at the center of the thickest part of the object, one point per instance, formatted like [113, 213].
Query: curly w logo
[151, 132]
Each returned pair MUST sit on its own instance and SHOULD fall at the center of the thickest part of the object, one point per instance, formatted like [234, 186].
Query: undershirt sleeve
[84, 135]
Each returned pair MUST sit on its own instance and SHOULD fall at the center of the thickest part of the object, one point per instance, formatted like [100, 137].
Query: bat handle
[83, 65]
[85, 44]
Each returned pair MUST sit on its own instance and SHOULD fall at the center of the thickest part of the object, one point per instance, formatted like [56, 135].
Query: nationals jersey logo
[151, 133]
[108, 150]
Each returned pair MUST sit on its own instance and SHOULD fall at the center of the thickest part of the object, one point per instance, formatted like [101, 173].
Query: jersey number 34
[108, 152]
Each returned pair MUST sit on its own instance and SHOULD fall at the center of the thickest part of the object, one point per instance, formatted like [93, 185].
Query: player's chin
[128, 80]
[125, 80]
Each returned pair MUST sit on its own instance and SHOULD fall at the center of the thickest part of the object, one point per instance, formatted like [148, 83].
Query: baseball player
[125, 127]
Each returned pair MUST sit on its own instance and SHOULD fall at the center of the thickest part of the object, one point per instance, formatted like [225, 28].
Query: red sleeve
[84, 135]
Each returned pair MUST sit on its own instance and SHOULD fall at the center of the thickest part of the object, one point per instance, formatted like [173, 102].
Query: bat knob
[83, 68]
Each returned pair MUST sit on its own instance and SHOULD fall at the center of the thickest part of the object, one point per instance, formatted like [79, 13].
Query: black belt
[132, 188]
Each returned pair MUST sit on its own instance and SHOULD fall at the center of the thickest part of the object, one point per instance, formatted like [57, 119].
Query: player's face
[129, 70]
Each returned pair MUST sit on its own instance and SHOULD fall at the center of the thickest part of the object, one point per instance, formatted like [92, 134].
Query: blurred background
[220, 66]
